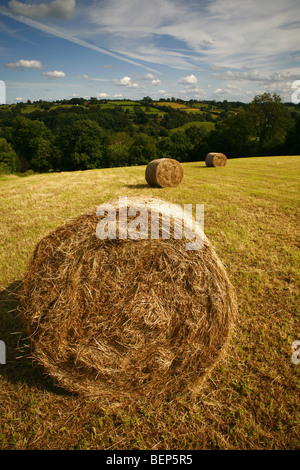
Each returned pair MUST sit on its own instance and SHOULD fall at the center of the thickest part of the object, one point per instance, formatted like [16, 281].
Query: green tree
[41, 154]
[118, 149]
[24, 134]
[258, 129]
[143, 150]
[9, 161]
[271, 121]
[82, 146]
[180, 146]
[234, 136]
[292, 141]
[164, 147]
[196, 134]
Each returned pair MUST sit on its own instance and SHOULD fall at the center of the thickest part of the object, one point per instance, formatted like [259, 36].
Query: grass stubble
[251, 400]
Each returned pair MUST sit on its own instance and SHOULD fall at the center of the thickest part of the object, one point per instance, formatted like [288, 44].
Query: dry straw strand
[113, 318]
[215, 159]
[164, 172]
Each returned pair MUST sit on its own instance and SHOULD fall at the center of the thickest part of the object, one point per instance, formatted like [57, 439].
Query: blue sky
[196, 49]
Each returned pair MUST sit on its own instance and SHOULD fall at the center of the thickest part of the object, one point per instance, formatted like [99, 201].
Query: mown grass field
[251, 401]
[180, 106]
[209, 126]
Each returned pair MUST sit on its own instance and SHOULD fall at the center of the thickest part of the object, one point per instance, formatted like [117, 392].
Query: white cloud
[102, 95]
[126, 81]
[27, 64]
[18, 98]
[189, 80]
[84, 77]
[193, 92]
[149, 77]
[57, 9]
[54, 74]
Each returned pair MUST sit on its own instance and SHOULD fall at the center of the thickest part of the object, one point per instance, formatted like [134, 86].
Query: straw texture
[164, 172]
[215, 159]
[126, 317]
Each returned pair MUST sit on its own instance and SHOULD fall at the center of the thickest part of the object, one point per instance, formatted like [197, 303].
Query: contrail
[67, 37]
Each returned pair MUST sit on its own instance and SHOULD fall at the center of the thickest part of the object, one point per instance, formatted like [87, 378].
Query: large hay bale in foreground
[126, 317]
[215, 159]
[164, 173]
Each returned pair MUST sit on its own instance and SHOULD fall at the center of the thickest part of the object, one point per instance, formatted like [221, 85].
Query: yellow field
[252, 399]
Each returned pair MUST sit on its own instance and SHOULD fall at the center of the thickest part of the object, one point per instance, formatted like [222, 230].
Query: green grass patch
[209, 126]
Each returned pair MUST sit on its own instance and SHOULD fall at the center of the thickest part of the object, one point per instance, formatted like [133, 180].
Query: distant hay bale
[113, 318]
[164, 173]
[215, 159]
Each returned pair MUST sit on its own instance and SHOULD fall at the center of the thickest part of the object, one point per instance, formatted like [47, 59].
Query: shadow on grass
[138, 186]
[19, 367]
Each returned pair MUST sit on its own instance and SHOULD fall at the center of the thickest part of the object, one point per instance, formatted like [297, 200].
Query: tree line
[80, 136]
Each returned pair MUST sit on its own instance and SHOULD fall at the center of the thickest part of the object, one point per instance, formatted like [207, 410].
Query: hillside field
[251, 401]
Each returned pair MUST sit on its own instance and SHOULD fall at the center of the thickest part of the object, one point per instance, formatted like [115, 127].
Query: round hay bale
[215, 159]
[164, 173]
[125, 317]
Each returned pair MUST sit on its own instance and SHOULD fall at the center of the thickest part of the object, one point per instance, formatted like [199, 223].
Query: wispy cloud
[159, 55]
[255, 76]
[64, 35]
[184, 46]
[135, 18]
[228, 34]
[231, 33]
[57, 9]
[92, 79]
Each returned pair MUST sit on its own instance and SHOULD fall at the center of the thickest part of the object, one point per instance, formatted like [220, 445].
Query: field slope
[252, 399]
